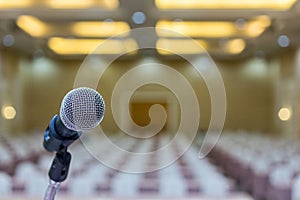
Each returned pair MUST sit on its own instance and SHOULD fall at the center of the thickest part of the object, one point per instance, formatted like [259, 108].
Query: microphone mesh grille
[82, 109]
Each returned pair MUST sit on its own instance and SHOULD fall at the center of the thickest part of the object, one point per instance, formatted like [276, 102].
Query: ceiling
[283, 24]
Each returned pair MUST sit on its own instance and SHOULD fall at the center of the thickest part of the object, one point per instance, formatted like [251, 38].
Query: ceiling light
[4, 4]
[283, 41]
[138, 17]
[8, 40]
[180, 46]
[166, 46]
[240, 23]
[91, 46]
[284, 114]
[79, 4]
[194, 29]
[110, 4]
[234, 46]
[100, 29]
[32, 25]
[69, 4]
[257, 26]
[225, 4]
[212, 29]
[8, 112]
[37, 28]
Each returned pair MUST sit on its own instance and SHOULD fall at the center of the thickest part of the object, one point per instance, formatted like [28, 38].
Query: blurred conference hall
[201, 98]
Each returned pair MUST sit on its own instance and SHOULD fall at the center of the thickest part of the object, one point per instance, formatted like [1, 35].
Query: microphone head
[82, 109]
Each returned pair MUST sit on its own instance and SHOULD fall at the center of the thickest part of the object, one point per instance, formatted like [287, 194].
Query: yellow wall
[36, 86]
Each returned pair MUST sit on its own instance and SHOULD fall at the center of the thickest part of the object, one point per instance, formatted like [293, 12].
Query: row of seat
[89, 175]
[18, 149]
[268, 167]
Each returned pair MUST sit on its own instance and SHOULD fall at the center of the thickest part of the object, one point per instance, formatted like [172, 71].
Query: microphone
[81, 109]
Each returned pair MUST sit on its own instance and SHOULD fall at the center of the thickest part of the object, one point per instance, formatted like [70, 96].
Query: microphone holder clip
[60, 166]
[58, 172]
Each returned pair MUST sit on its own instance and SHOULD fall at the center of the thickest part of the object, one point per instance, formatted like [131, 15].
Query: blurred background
[253, 43]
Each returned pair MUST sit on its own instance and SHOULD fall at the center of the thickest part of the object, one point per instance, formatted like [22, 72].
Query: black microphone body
[57, 136]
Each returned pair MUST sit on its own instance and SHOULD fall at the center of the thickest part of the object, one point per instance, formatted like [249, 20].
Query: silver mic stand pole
[51, 190]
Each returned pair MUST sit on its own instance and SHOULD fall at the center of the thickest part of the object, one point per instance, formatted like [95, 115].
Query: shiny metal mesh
[82, 109]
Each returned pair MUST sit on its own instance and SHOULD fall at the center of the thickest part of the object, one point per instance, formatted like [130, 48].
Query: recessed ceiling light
[225, 4]
[180, 46]
[32, 25]
[8, 40]
[139, 18]
[212, 29]
[80, 4]
[100, 29]
[9, 4]
[283, 41]
[284, 114]
[8, 112]
[66, 46]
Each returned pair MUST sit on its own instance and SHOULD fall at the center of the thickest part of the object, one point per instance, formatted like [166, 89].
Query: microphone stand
[58, 172]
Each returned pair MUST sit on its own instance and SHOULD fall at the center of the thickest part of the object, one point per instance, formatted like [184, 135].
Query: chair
[295, 190]
[5, 184]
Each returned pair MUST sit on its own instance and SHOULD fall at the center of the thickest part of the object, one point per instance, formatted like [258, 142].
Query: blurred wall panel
[11, 92]
[2, 88]
[36, 86]
[250, 90]
[287, 91]
[46, 82]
